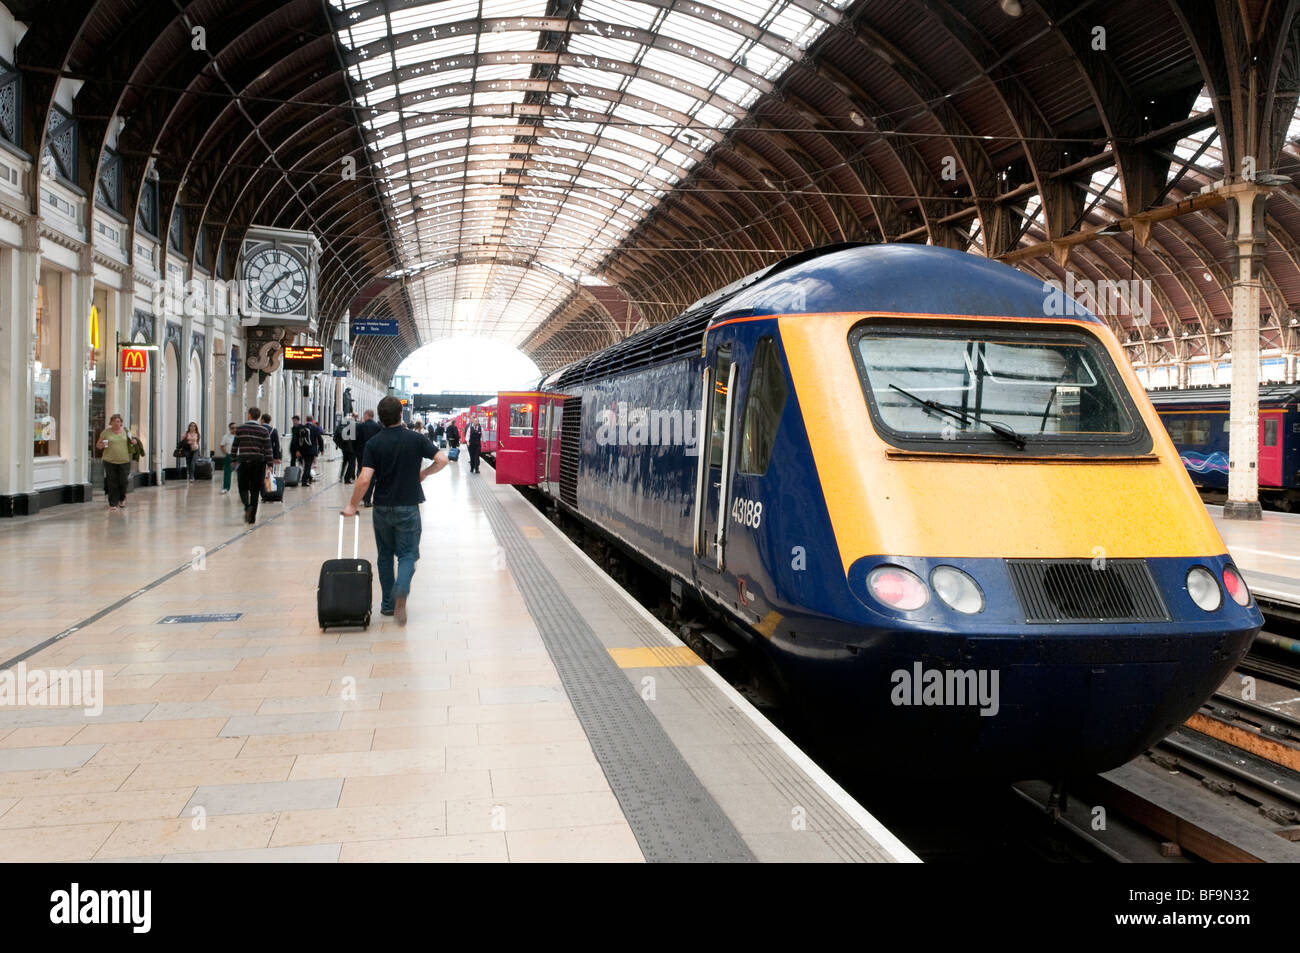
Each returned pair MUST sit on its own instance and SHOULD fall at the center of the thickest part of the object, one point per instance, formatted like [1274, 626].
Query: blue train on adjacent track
[1197, 421]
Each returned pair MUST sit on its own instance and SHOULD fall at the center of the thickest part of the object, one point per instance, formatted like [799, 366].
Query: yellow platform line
[672, 656]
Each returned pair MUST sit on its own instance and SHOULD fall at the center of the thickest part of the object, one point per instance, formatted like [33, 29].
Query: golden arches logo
[134, 361]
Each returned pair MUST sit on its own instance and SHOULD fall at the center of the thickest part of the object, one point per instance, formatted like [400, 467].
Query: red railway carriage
[528, 438]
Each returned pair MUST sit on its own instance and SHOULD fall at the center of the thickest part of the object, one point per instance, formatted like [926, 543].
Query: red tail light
[897, 588]
[1236, 587]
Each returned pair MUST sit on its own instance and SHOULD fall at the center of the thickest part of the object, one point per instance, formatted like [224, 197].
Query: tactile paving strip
[671, 814]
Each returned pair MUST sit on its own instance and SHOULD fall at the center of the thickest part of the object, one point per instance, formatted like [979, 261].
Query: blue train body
[776, 549]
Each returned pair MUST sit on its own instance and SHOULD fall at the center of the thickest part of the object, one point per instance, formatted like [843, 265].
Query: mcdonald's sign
[134, 360]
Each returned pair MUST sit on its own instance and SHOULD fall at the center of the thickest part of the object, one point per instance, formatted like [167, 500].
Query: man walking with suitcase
[393, 457]
[252, 451]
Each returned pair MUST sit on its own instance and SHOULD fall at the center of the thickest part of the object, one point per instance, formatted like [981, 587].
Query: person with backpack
[453, 435]
[311, 442]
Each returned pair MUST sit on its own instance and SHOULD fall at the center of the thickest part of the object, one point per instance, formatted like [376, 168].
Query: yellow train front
[931, 493]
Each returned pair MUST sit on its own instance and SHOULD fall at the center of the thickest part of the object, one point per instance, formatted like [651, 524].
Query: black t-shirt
[395, 454]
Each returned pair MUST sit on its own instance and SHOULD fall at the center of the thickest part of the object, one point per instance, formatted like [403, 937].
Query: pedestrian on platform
[117, 444]
[345, 438]
[191, 443]
[276, 450]
[253, 453]
[453, 435]
[475, 444]
[227, 460]
[394, 458]
[365, 430]
[310, 443]
[295, 452]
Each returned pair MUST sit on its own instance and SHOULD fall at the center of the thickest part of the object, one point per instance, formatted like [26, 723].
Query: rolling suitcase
[453, 453]
[292, 475]
[276, 494]
[343, 594]
[203, 468]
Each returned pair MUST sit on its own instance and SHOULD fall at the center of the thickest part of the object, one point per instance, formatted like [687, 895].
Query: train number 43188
[746, 512]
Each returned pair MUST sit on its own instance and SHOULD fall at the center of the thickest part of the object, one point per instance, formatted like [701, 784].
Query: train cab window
[951, 387]
[718, 405]
[763, 406]
[1270, 431]
[521, 420]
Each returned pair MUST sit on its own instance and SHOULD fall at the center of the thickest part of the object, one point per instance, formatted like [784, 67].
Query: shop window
[46, 369]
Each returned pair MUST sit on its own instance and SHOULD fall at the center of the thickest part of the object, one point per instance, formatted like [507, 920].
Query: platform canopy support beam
[1246, 203]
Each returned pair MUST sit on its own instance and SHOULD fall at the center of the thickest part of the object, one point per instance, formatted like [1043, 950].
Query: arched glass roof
[505, 131]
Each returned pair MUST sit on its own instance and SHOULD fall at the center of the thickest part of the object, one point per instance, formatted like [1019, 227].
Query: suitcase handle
[356, 536]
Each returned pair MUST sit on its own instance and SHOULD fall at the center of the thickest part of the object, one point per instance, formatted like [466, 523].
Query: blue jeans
[397, 536]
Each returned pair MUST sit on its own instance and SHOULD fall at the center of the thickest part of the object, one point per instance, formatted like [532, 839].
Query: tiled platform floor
[264, 739]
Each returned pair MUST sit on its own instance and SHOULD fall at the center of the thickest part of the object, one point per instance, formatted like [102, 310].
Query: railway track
[1225, 787]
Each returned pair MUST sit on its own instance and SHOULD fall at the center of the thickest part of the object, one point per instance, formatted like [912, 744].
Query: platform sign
[339, 372]
[134, 360]
[304, 358]
[383, 327]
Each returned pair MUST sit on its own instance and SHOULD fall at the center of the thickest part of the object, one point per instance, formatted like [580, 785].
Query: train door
[1270, 449]
[715, 464]
[543, 439]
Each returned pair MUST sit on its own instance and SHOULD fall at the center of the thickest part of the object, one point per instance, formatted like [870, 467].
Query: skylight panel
[493, 9]
[619, 11]
[665, 95]
[593, 46]
[696, 35]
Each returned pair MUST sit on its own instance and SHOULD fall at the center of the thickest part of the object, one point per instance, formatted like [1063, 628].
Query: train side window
[1270, 431]
[763, 406]
[718, 405]
[521, 420]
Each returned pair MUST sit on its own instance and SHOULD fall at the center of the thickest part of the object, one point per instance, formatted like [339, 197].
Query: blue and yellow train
[949, 521]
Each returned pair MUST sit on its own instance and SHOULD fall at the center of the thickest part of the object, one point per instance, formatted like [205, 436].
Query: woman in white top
[227, 443]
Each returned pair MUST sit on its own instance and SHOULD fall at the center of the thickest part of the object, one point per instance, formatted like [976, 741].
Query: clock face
[276, 280]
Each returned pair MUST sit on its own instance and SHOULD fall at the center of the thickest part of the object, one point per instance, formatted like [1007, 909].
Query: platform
[529, 711]
[1267, 552]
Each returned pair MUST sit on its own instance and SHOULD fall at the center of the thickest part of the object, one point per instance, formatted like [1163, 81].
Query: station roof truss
[559, 173]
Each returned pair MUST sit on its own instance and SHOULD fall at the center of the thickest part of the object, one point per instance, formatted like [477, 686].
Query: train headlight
[1236, 586]
[957, 590]
[1204, 588]
[897, 588]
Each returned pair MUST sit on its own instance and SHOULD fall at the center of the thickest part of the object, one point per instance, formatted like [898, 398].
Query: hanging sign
[134, 360]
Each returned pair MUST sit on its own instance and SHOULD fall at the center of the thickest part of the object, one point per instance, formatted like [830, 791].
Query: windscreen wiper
[1002, 430]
